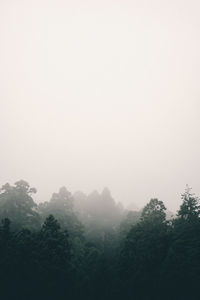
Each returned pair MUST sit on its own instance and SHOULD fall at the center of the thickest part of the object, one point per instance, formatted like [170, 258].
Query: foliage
[16, 203]
[190, 208]
[154, 212]
[145, 257]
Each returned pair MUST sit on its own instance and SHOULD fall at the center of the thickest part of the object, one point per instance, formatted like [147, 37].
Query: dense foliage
[89, 247]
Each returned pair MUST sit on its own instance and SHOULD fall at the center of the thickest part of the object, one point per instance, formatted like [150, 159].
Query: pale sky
[101, 93]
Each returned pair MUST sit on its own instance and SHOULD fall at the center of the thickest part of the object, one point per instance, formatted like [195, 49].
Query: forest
[79, 246]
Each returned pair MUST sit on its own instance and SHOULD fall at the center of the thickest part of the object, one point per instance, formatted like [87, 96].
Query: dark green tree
[154, 212]
[144, 251]
[190, 207]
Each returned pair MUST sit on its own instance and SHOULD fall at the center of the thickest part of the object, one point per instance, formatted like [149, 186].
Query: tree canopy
[90, 247]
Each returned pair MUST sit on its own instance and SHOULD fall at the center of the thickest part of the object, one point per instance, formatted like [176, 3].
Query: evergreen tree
[190, 207]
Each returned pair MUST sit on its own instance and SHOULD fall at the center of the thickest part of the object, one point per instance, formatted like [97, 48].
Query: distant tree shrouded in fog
[89, 247]
[16, 203]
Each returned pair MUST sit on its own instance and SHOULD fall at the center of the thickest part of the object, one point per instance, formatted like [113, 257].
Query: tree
[190, 208]
[60, 204]
[143, 252]
[5, 229]
[23, 187]
[50, 226]
[61, 207]
[154, 212]
[131, 219]
[16, 203]
[53, 255]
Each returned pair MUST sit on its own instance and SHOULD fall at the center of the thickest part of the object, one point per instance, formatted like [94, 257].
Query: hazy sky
[101, 93]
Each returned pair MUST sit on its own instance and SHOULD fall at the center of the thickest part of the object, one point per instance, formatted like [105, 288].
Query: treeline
[89, 247]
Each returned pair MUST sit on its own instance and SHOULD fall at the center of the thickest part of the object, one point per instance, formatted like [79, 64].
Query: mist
[101, 94]
[99, 154]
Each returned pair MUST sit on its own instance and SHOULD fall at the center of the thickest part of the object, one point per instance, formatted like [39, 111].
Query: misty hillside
[89, 247]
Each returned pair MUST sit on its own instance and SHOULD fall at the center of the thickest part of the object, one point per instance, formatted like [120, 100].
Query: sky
[101, 93]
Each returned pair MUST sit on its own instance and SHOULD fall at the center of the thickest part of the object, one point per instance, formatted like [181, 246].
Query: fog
[101, 93]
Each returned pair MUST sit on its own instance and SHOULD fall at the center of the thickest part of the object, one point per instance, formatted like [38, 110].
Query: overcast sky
[101, 93]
